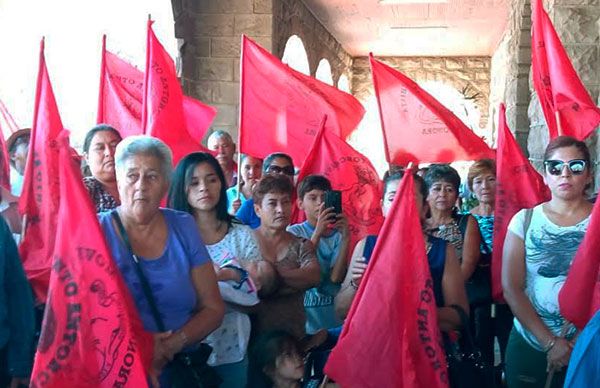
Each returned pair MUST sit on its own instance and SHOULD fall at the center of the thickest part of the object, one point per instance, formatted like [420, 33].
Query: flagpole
[241, 121]
[550, 377]
[558, 123]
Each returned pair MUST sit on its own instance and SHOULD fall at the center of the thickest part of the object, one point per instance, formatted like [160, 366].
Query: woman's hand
[235, 205]
[358, 270]
[163, 351]
[558, 357]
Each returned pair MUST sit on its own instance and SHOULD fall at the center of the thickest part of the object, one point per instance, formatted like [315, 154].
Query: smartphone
[333, 198]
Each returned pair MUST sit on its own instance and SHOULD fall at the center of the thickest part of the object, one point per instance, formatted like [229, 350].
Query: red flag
[559, 89]
[7, 118]
[391, 336]
[121, 94]
[91, 333]
[281, 109]
[353, 174]
[518, 186]
[163, 112]
[416, 127]
[579, 298]
[39, 199]
[4, 163]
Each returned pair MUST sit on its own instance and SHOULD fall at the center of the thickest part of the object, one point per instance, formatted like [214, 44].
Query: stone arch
[295, 55]
[344, 83]
[323, 72]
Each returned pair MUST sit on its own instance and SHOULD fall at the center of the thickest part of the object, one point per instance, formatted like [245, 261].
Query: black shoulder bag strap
[140, 272]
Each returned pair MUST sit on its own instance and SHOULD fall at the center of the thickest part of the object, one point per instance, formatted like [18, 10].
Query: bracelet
[353, 284]
[550, 345]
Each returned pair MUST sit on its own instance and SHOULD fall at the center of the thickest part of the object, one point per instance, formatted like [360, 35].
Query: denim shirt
[16, 308]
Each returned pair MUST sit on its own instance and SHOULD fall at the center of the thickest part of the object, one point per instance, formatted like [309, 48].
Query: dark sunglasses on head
[287, 170]
[555, 167]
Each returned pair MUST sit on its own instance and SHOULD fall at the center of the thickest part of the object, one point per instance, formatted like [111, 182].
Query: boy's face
[311, 204]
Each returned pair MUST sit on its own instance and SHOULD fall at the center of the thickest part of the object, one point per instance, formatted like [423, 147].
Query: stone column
[210, 31]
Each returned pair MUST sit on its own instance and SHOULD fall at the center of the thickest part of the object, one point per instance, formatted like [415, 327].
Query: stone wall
[210, 36]
[463, 73]
[510, 67]
[292, 17]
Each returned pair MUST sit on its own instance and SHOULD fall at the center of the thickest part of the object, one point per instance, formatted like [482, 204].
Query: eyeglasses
[287, 170]
[555, 167]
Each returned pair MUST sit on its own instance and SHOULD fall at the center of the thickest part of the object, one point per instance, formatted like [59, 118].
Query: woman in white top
[198, 187]
[539, 248]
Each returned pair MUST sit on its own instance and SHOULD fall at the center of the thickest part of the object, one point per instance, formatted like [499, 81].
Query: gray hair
[216, 135]
[144, 145]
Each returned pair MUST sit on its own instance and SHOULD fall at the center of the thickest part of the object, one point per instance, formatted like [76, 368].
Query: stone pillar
[576, 25]
[210, 31]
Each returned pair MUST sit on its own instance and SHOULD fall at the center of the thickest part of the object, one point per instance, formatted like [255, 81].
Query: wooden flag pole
[558, 123]
[563, 332]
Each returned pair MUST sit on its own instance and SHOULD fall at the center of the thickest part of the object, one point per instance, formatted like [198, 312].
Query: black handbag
[466, 366]
[188, 369]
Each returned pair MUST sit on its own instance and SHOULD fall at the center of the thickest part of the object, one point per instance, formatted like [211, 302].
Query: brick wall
[210, 33]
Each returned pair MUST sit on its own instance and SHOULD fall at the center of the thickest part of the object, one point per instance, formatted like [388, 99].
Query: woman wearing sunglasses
[538, 251]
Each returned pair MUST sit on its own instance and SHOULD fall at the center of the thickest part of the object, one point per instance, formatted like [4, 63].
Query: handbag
[188, 369]
[466, 367]
[479, 285]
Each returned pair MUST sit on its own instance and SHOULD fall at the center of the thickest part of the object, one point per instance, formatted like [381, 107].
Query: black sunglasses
[555, 167]
[287, 170]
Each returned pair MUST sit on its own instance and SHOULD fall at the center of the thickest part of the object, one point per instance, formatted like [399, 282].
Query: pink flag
[567, 105]
[418, 128]
[39, 199]
[281, 109]
[163, 112]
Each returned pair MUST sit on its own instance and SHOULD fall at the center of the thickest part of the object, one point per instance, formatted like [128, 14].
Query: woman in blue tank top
[445, 272]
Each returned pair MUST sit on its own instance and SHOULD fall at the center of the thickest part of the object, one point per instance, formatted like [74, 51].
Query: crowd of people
[222, 263]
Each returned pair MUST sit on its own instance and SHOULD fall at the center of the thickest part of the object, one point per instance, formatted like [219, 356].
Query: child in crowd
[329, 234]
[279, 357]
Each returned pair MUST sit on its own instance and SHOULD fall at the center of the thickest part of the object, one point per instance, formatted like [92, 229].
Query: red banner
[391, 336]
[353, 174]
[567, 105]
[39, 199]
[4, 163]
[518, 186]
[121, 97]
[281, 109]
[163, 113]
[91, 333]
[416, 127]
[579, 298]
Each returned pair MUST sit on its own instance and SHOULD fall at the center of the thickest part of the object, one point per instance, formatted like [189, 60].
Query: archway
[294, 55]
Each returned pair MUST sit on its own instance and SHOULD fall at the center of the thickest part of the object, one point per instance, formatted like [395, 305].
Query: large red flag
[121, 94]
[416, 127]
[91, 333]
[391, 336]
[353, 174]
[4, 163]
[518, 186]
[281, 109]
[560, 91]
[163, 112]
[579, 298]
[39, 199]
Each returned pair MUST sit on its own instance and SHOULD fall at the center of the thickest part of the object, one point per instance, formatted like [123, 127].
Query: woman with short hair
[99, 153]
[163, 247]
[538, 252]
[445, 222]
